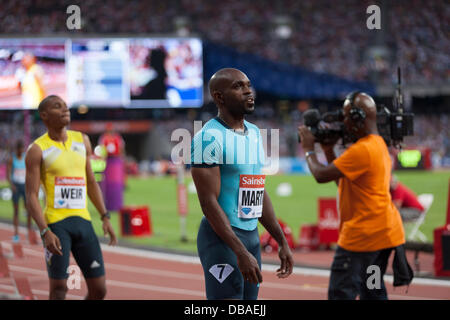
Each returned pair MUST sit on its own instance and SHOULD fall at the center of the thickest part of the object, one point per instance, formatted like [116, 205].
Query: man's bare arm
[33, 162]
[32, 183]
[330, 156]
[269, 221]
[9, 172]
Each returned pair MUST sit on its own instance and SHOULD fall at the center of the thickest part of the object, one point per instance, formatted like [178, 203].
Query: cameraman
[370, 225]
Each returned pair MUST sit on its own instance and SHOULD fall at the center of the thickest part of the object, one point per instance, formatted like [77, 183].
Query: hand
[287, 262]
[108, 230]
[306, 137]
[52, 243]
[329, 143]
[327, 147]
[13, 188]
[249, 267]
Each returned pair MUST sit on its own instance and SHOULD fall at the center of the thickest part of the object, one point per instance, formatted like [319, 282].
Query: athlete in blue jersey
[15, 173]
[227, 157]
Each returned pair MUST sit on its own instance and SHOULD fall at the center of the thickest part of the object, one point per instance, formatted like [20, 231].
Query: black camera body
[393, 126]
[329, 127]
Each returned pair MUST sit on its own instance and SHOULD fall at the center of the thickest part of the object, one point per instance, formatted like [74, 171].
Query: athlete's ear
[43, 115]
[217, 97]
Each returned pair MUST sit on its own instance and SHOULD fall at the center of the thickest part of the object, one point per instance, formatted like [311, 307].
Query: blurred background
[140, 69]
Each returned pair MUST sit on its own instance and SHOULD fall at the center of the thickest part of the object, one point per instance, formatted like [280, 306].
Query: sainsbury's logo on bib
[70, 181]
[252, 181]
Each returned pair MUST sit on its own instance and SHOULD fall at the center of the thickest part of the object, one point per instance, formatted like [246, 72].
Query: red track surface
[143, 275]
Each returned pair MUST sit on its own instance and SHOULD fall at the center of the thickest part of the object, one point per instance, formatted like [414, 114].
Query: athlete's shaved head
[222, 78]
[46, 102]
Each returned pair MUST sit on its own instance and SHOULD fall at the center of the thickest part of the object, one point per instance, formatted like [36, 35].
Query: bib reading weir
[63, 174]
[240, 156]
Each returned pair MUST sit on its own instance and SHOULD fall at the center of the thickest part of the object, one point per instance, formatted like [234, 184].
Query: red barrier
[309, 237]
[269, 244]
[135, 221]
[442, 245]
[328, 221]
[442, 251]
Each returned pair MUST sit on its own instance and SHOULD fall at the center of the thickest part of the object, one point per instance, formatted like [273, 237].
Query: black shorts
[77, 236]
[223, 279]
[20, 193]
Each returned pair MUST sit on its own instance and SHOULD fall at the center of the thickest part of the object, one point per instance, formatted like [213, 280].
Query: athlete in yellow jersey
[60, 161]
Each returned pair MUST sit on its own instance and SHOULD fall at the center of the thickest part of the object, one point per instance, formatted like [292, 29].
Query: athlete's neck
[235, 123]
[59, 134]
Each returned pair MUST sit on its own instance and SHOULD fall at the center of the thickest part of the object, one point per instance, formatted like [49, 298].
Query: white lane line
[132, 285]
[68, 295]
[318, 289]
[156, 272]
[15, 295]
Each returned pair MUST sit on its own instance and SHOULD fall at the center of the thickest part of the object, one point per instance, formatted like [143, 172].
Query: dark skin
[56, 116]
[326, 173]
[231, 91]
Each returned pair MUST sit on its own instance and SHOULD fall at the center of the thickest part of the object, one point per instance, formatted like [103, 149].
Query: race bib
[251, 195]
[70, 193]
[19, 175]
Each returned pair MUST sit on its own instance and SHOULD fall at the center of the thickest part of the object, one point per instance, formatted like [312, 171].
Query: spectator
[405, 200]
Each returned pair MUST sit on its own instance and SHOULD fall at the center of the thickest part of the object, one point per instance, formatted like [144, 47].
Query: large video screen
[102, 72]
[31, 69]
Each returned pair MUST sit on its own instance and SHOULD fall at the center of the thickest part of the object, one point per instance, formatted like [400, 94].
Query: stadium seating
[323, 38]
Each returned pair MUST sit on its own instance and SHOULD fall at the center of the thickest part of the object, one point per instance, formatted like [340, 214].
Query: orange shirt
[369, 220]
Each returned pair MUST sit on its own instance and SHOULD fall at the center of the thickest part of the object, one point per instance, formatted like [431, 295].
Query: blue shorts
[77, 236]
[20, 192]
[223, 279]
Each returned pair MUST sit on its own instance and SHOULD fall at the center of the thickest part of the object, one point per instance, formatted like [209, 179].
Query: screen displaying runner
[31, 69]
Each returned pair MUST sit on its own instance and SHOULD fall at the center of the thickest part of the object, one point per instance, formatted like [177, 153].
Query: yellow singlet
[63, 174]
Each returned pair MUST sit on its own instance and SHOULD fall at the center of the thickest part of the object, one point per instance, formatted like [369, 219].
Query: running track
[145, 275]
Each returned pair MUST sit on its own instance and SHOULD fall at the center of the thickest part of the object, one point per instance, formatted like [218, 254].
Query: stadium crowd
[322, 37]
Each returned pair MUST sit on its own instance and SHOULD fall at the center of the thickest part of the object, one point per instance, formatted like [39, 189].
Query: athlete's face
[19, 150]
[57, 114]
[238, 95]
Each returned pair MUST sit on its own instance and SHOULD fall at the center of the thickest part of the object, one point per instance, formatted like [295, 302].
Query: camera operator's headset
[357, 115]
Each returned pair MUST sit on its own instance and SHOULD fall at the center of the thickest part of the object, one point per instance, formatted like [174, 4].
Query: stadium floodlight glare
[283, 27]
